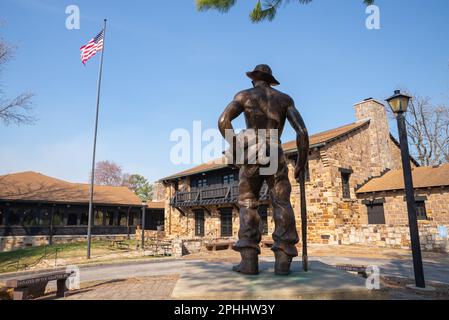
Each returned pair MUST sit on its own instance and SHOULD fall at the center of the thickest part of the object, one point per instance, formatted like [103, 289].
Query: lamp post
[144, 205]
[399, 103]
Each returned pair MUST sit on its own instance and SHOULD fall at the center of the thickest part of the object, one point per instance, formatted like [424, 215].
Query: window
[135, 217]
[98, 217]
[154, 219]
[263, 212]
[226, 222]
[110, 218]
[30, 218]
[199, 223]
[45, 217]
[2, 215]
[14, 218]
[58, 218]
[84, 218]
[376, 214]
[421, 210]
[122, 219]
[72, 219]
[228, 179]
[202, 183]
[131, 218]
[345, 184]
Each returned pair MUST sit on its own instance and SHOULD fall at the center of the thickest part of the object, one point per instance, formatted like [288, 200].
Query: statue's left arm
[302, 138]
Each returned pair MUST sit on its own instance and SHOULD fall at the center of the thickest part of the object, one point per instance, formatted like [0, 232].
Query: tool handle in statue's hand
[302, 185]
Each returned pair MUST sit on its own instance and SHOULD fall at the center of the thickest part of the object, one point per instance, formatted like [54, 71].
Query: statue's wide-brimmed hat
[263, 72]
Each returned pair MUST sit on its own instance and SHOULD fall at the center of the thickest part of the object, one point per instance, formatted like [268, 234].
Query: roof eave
[191, 174]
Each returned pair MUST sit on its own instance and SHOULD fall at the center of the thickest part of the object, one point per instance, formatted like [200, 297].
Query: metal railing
[207, 195]
[18, 265]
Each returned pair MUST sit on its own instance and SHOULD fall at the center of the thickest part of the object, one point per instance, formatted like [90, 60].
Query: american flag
[90, 49]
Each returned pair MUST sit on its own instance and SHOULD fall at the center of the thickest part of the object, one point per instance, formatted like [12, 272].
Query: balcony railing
[219, 194]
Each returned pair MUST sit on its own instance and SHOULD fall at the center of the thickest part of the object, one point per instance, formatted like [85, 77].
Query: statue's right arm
[232, 111]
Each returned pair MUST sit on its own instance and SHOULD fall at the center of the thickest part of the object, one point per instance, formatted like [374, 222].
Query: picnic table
[120, 244]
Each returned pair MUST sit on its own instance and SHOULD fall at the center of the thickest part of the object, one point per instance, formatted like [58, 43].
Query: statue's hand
[230, 158]
[300, 170]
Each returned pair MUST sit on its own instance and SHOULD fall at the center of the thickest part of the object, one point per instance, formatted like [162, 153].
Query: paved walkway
[156, 279]
[146, 288]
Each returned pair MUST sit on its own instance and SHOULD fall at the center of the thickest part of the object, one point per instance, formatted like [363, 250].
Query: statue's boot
[282, 263]
[250, 262]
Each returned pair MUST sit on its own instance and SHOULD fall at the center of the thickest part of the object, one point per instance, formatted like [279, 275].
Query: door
[376, 214]
[199, 223]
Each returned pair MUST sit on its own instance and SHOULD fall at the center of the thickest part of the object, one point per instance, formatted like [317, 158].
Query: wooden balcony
[219, 194]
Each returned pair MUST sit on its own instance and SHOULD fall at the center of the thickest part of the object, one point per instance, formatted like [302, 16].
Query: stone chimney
[378, 132]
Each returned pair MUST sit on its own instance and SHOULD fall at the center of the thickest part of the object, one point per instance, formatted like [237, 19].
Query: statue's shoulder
[243, 95]
[284, 96]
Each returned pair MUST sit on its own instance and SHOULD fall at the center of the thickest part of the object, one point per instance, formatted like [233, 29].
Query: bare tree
[16, 110]
[108, 173]
[428, 131]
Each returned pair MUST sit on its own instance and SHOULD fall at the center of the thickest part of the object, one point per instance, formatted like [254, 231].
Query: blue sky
[167, 65]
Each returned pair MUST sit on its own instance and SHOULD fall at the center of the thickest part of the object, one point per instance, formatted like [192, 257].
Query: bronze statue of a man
[265, 108]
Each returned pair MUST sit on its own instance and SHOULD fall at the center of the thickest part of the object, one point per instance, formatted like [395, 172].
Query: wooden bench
[166, 247]
[359, 269]
[34, 286]
[219, 245]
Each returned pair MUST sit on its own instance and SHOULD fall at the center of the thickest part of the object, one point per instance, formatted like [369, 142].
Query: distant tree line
[109, 173]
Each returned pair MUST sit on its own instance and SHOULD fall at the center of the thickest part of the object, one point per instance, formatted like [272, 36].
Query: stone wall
[182, 247]
[391, 236]
[20, 242]
[327, 208]
[150, 234]
[395, 206]
[183, 225]
[378, 139]
[158, 191]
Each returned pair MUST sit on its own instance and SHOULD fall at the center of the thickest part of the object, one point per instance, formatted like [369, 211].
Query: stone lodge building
[354, 191]
[38, 210]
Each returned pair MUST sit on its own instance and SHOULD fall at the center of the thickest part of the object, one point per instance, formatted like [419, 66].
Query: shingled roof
[32, 186]
[423, 177]
[316, 140]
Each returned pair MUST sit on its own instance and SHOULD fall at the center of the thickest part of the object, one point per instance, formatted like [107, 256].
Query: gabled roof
[322, 138]
[316, 140]
[423, 177]
[32, 186]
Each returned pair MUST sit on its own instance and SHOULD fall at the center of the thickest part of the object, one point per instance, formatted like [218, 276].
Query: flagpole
[92, 177]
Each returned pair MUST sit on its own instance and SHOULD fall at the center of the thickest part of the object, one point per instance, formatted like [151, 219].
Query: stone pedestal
[209, 280]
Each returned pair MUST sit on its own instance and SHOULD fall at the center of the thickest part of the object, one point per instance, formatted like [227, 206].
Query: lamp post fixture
[144, 205]
[399, 103]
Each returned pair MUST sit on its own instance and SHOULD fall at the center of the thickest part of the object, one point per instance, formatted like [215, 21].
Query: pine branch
[261, 12]
[220, 5]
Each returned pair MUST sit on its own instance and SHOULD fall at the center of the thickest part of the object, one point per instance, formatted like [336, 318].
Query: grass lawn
[30, 256]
